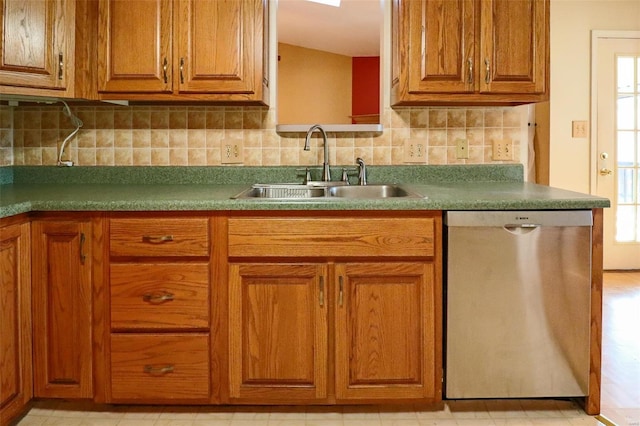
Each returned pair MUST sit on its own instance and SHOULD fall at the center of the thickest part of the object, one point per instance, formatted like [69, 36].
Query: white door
[616, 102]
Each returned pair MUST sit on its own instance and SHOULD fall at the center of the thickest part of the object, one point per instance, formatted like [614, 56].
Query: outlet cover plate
[231, 151]
[462, 148]
[502, 150]
[415, 150]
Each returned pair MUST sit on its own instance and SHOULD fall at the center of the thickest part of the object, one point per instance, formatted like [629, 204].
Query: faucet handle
[362, 171]
[307, 175]
[345, 173]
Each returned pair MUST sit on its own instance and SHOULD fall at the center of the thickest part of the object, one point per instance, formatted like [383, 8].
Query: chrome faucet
[326, 173]
[362, 171]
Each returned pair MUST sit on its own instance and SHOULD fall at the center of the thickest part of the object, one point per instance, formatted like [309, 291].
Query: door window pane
[628, 148]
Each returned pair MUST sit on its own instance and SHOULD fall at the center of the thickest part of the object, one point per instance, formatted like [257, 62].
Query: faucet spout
[326, 173]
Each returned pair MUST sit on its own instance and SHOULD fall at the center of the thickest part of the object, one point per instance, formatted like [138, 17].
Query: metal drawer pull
[157, 298]
[321, 291]
[340, 295]
[487, 77]
[470, 62]
[165, 66]
[158, 371]
[157, 238]
[181, 70]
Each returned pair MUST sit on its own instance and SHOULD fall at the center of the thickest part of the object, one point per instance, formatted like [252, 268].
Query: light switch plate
[579, 129]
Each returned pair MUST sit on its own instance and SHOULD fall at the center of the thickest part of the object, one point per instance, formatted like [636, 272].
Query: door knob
[605, 172]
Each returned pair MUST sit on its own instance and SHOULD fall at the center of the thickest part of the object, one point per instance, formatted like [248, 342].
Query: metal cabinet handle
[487, 66]
[157, 298]
[60, 66]
[165, 66]
[83, 257]
[341, 290]
[470, 77]
[157, 238]
[181, 70]
[158, 371]
[321, 291]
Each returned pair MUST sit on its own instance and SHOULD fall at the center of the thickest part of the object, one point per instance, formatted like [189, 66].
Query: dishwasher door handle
[521, 228]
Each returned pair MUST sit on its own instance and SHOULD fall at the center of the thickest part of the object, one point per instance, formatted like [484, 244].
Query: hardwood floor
[621, 348]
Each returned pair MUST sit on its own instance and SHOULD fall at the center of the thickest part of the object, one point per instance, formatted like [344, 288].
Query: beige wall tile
[192, 135]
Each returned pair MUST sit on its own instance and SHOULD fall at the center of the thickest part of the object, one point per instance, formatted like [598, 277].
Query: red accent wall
[365, 94]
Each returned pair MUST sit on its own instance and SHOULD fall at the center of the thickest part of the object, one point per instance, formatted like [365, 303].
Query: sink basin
[326, 191]
[372, 191]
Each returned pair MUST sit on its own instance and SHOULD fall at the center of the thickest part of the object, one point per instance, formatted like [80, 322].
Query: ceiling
[353, 29]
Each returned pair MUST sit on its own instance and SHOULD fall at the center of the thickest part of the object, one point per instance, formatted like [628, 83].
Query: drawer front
[160, 366]
[159, 296]
[331, 237]
[154, 236]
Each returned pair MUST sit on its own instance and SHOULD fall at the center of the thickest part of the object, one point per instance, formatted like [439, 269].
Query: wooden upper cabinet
[37, 54]
[62, 314]
[183, 50]
[444, 48]
[135, 54]
[514, 44]
[470, 52]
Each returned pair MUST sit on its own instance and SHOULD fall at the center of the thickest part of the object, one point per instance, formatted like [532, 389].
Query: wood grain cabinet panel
[62, 308]
[37, 46]
[159, 237]
[311, 321]
[183, 50]
[15, 320]
[385, 331]
[470, 52]
[278, 332]
[162, 367]
[331, 237]
[165, 296]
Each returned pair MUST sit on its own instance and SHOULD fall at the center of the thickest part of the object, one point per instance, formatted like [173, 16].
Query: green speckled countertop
[482, 187]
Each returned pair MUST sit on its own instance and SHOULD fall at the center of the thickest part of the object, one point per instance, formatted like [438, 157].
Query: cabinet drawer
[154, 236]
[154, 296]
[331, 237]
[159, 366]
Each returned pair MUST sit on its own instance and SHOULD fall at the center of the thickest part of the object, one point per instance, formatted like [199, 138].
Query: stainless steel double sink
[326, 190]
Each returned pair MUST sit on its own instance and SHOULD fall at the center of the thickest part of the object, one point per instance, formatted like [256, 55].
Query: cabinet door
[278, 332]
[514, 50]
[219, 47]
[62, 308]
[37, 43]
[386, 330]
[15, 320]
[134, 46]
[442, 47]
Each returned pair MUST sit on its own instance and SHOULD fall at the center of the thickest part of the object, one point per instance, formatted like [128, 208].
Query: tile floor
[620, 399]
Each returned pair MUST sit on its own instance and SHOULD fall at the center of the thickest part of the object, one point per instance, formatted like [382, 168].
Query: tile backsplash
[194, 135]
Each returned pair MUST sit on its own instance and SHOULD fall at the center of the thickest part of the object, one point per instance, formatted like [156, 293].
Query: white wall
[571, 24]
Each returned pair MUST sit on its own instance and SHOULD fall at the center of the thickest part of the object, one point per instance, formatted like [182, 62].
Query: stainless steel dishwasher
[517, 303]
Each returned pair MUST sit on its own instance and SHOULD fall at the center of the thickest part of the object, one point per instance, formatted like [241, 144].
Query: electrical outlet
[502, 150]
[462, 148]
[415, 151]
[232, 151]
[579, 129]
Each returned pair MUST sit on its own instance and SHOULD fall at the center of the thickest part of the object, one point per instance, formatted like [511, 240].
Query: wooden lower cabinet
[15, 320]
[278, 332]
[382, 321]
[385, 333]
[160, 366]
[62, 307]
